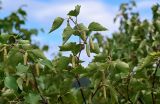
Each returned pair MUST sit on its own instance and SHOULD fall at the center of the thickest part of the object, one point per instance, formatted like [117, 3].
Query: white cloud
[90, 11]
[45, 12]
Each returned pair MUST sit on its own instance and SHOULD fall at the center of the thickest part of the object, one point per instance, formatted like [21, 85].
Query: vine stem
[153, 83]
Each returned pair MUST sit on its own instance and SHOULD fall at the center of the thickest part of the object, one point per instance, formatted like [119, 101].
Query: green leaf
[135, 39]
[136, 97]
[143, 43]
[56, 24]
[32, 98]
[45, 48]
[68, 31]
[75, 12]
[10, 82]
[73, 47]
[4, 38]
[21, 69]
[22, 12]
[81, 27]
[14, 57]
[146, 62]
[63, 62]
[158, 73]
[113, 92]
[157, 25]
[79, 70]
[100, 57]
[36, 54]
[99, 38]
[150, 59]
[122, 66]
[2, 74]
[69, 98]
[47, 63]
[20, 83]
[94, 26]
[26, 46]
[24, 41]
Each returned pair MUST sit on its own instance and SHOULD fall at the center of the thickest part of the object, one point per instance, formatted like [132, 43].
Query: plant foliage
[125, 69]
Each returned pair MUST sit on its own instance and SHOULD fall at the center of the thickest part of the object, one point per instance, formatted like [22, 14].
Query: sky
[41, 14]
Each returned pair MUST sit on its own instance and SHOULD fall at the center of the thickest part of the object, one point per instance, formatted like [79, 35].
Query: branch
[76, 24]
[99, 86]
[153, 83]
[128, 82]
[76, 76]
[140, 100]
[79, 84]
[36, 86]
[120, 93]
[61, 99]
[128, 93]
[102, 85]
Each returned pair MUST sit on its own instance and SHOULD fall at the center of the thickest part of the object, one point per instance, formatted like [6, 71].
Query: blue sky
[41, 14]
